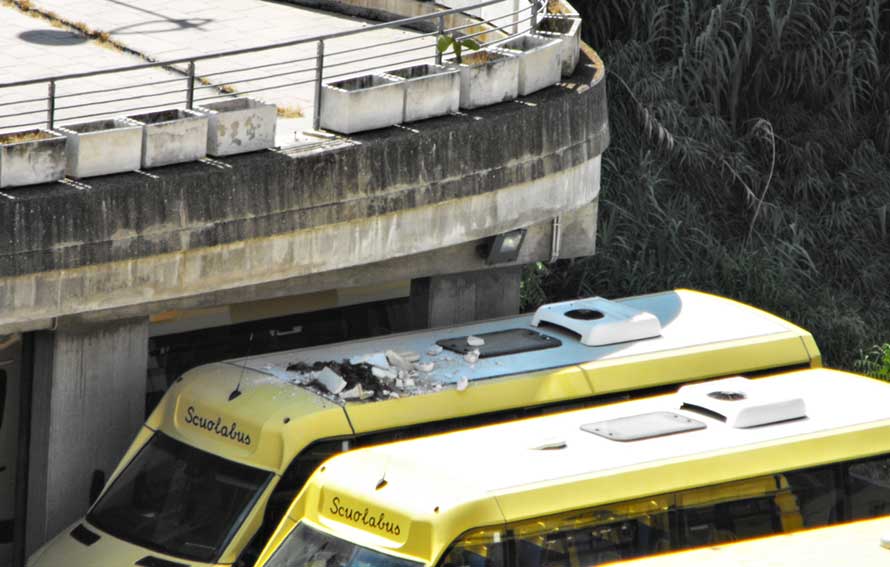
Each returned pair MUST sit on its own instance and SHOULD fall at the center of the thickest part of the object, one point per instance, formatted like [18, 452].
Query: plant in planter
[172, 136]
[561, 8]
[239, 125]
[362, 103]
[456, 43]
[487, 77]
[31, 157]
[568, 31]
[103, 147]
[430, 90]
[539, 61]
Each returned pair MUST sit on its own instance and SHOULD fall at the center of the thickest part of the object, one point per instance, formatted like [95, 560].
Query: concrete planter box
[487, 77]
[103, 147]
[31, 157]
[561, 8]
[239, 126]
[363, 103]
[172, 136]
[567, 30]
[430, 90]
[539, 61]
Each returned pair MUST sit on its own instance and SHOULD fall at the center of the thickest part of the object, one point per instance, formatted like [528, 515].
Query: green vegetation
[750, 157]
[456, 43]
[875, 362]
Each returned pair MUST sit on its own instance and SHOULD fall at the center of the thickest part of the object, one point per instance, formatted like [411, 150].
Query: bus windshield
[179, 500]
[308, 547]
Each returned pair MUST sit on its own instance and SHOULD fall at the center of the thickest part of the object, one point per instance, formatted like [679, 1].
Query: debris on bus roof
[474, 341]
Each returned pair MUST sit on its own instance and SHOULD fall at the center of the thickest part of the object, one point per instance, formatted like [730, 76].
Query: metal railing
[90, 96]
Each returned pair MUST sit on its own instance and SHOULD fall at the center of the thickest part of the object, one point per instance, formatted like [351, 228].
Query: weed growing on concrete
[290, 111]
[19, 137]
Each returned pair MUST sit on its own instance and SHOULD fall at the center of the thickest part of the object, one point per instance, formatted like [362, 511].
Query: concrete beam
[247, 220]
[469, 296]
[88, 403]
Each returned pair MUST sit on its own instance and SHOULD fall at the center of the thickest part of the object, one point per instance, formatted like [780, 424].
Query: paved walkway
[169, 29]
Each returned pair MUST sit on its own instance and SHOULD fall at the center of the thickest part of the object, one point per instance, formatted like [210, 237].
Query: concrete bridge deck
[159, 30]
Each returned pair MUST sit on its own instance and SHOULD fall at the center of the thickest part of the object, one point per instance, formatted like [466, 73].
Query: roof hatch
[599, 321]
[741, 402]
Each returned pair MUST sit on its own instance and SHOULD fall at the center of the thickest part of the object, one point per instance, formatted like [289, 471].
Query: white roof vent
[599, 321]
[742, 402]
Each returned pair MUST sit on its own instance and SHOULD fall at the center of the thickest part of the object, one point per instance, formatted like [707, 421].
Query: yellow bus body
[471, 484]
[856, 544]
[282, 419]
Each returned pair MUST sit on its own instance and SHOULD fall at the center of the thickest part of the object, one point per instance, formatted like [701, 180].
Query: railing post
[515, 17]
[51, 104]
[441, 32]
[319, 75]
[190, 95]
[534, 16]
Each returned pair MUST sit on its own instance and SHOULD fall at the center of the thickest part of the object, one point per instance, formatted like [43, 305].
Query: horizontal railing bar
[488, 22]
[267, 65]
[24, 112]
[29, 124]
[385, 43]
[263, 77]
[353, 61]
[41, 99]
[137, 97]
[392, 64]
[119, 113]
[240, 93]
[115, 89]
[290, 43]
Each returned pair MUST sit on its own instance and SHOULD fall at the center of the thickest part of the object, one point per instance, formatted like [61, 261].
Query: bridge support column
[469, 296]
[88, 403]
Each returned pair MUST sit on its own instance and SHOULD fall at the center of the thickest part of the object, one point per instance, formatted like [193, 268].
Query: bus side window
[868, 487]
[583, 538]
[483, 547]
[735, 510]
[816, 492]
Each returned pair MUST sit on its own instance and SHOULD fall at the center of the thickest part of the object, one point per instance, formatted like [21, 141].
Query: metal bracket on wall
[556, 239]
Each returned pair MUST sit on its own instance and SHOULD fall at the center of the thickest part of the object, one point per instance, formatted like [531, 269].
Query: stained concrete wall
[245, 220]
[88, 403]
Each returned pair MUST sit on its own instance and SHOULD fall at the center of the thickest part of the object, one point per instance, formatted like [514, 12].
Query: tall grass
[750, 157]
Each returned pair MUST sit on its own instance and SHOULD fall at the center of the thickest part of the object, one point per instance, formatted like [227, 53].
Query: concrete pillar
[469, 296]
[88, 404]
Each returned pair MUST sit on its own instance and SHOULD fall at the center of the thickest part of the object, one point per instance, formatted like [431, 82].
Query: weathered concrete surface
[239, 126]
[568, 31]
[33, 161]
[487, 77]
[540, 63]
[364, 103]
[263, 217]
[103, 147]
[88, 403]
[430, 91]
[463, 297]
[172, 136]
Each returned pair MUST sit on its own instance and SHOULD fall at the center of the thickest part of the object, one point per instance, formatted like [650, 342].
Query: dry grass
[556, 7]
[478, 58]
[19, 137]
[290, 111]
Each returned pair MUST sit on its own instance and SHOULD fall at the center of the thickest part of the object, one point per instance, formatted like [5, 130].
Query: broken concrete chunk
[409, 356]
[474, 341]
[472, 356]
[368, 394]
[354, 393]
[425, 366]
[374, 359]
[409, 382]
[437, 387]
[393, 395]
[400, 384]
[395, 359]
[462, 383]
[382, 374]
[330, 380]
[434, 350]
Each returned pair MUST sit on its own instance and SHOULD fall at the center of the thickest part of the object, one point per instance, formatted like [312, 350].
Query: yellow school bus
[865, 543]
[211, 473]
[717, 461]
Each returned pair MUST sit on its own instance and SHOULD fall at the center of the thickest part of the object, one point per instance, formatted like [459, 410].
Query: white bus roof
[517, 456]
[688, 319]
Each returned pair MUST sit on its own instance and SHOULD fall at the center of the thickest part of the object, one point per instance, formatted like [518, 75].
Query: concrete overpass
[91, 270]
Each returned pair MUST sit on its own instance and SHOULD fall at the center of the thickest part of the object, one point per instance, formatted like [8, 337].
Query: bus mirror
[96, 485]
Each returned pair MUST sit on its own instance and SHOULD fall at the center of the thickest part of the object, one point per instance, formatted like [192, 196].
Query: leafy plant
[875, 362]
[457, 43]
[750, 148]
